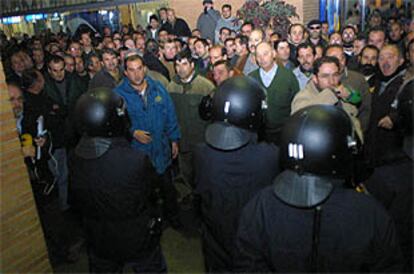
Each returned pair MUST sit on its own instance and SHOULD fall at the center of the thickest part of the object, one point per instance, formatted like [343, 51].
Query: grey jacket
[206, 23]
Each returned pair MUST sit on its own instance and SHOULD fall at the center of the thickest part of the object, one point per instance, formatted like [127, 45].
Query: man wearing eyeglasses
[326, 89]
[315, 33]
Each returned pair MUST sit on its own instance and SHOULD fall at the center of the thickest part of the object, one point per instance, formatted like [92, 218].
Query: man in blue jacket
[153, 125]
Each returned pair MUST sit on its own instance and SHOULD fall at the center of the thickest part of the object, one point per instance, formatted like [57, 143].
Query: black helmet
[100, 115]
[317, 146]
[237, 112]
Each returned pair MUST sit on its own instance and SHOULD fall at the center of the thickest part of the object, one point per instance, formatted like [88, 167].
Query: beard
[368, 69]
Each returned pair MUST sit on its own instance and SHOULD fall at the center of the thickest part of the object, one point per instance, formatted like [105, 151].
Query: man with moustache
[187, 89]
[153, 126]
[367, 63]
[306, 56]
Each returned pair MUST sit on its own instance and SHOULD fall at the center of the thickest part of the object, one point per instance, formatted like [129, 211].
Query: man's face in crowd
[369, 56]
[80, 65]
[389, 60]
[230, 48]
[196, 33]
[95, 65]
[38, 84]
[106, 31]
[239, 47]
[163, 36]
[255, 38]
[335, 39]
[226, 12]
[57, 71]
[18, 63]
[154, 23]
[283, 51]
[129, 43]
[215, 55]
[75, 50]
[315, 31]
[327, 77]
[171, 16]
[16, 100]
[348, 36]
[339, 54]
[38, 56]
[325, 28]
[221, 73]
[170, 50]
[110, 62]
[163, 15]
[135, 72]
[396, 32]
[246, 30]
[140, 44]
[86, 40]
[376, 38]
[224, 34]
[265, 56]
[306, 58]
[358, 46]
[200, 50]
[184, 68]
[69, 64]
[296, 34]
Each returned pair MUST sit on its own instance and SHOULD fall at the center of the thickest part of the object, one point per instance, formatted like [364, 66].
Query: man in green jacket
[187, 88]
[280, 85]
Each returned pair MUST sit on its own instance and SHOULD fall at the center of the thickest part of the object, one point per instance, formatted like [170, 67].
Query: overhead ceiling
[23, 7]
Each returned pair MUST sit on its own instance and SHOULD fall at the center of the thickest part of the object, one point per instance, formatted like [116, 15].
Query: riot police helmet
[100, 115]
[317, 147]
[237, 111]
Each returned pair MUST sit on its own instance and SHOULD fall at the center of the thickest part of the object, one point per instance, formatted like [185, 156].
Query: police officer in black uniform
[392, 183]
[309, 220]
[231, 167]
[111, 186]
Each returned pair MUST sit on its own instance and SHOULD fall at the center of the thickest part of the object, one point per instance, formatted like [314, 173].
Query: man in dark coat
[111, 188]
[309, 220]
[63, 89]
[231, 170]
[383, 140]
[392, 183]
[176, 26]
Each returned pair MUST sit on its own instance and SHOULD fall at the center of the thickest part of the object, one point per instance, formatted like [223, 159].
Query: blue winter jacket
[157, 117]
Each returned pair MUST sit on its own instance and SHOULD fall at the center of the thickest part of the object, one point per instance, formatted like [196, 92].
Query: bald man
[281, 87]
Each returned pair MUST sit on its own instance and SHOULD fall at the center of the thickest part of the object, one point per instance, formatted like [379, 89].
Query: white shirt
[267, 77]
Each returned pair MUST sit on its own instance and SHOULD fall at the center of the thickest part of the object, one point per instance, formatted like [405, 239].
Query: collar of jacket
[186, 86]
[126, 84]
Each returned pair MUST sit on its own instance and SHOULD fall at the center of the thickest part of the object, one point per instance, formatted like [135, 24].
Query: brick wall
[191, 9]
[22, 246]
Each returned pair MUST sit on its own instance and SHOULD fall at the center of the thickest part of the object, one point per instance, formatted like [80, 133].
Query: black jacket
[180, 28]
[112, 193]
[153, 63]
[356, 235]
[225, 182]
[383, 145]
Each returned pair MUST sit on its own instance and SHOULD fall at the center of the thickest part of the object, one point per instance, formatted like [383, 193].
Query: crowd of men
[167, 76]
